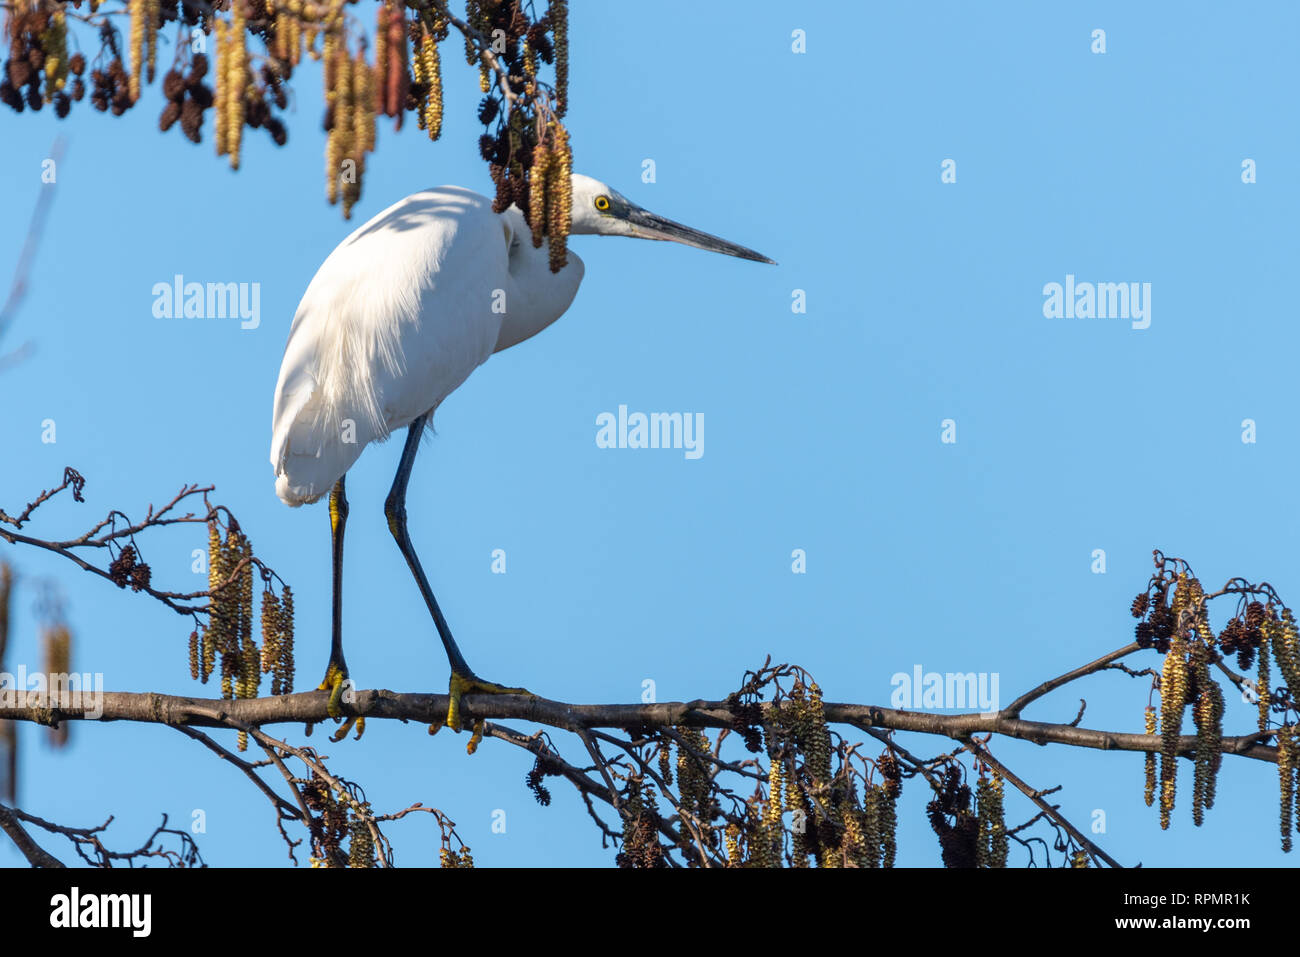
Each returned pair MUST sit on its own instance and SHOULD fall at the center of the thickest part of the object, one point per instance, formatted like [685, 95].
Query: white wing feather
[397, 317]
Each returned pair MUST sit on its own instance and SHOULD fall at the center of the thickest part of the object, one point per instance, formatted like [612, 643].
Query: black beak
[650, 226]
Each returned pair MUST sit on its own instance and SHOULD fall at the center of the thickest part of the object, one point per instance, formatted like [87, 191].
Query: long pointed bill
[650, 226]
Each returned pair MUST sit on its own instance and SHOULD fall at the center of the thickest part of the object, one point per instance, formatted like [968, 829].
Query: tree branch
[35, 854]
[310, 708]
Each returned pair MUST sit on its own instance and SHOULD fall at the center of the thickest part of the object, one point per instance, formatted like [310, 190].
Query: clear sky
[924, 303]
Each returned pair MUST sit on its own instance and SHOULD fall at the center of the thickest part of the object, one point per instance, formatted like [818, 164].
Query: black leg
[336, 673]
[463, 680]
[395, 510]
[338, 521]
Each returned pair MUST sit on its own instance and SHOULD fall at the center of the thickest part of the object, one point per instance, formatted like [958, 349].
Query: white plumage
[396, 318]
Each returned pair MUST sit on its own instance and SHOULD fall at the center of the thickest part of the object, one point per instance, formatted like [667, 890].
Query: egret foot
[337, 683]
[463, 684]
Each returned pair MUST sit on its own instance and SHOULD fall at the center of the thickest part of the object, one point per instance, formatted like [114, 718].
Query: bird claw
[462, 685]
[360, 723]
[476, 737]
[336, 683]
[335, 678]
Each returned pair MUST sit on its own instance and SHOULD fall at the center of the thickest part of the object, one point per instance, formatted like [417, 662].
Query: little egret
[395, 319]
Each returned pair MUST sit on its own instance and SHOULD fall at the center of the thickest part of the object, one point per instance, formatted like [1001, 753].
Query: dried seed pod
[535, 779]
[1139, 606]
[170, 114]
[817, 746]
[888, 830]
[137, 9]
[236, 83]
[854, 851]
[537, 181]
[152, 13]
[1255, 614]
[280, 46]
[776, 794]
[758, 848]
[54, 45]
[692, 775]
[1149, 790]
[270, 617]
[207, 656]
[530, 68]
[1181, 595]
[173, 86]
[245, 555]
[120, 568]
[474, 17]
[338, 121]
[361, 847]
[1288, 751]
[640, 813]
[382, 62]
[279, 135]
[392, 87]
[56, 640]
[431, 69]
[559, 192]
[285, 667]
[732, 837]
[992, 822]
[223, 87]
[871, 837]
[559, 17]
[1262, 685]
[1173, 698]
[345, 128]
[800, 843]
[217, 574]
[1207, 713]
[364, 94]
[192, 119]
[1285, 643]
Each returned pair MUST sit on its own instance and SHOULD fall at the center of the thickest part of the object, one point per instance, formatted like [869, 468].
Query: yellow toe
[461, 685]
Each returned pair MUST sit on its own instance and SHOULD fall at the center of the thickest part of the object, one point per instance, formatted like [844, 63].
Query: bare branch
[35, 854]
[310, 707]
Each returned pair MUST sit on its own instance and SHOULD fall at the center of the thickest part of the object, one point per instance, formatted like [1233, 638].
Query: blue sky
[924, 303]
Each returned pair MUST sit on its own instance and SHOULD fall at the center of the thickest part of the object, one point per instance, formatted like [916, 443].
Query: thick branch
[310, 707]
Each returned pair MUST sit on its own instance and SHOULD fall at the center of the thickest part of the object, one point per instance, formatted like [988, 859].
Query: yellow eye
[602, 203]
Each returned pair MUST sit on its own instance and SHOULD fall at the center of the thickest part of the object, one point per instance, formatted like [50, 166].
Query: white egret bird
[395, 319]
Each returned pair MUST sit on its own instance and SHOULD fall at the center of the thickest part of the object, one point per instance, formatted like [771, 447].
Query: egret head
[599, 209]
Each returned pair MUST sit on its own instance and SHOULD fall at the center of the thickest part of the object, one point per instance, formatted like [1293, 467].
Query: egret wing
[396, 318]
